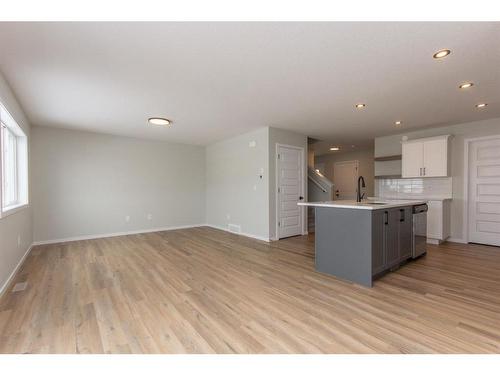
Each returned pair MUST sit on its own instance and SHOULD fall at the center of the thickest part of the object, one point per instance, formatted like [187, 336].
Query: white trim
[10, 211]
[434, 241]
[467, 142]
[457, 240]
[115, 234]
[255, 237]
[444, 136]
[303, 217]
[13, 274]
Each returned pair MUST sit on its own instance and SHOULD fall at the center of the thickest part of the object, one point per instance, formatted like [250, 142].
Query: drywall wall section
[366, 165]
[279, 136]
[16, 233]
[237, 184]
[88, 184]
[391, 145]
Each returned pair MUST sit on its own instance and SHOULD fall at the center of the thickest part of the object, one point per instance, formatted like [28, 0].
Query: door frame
[467, 143]
[303, 220]
[356, 162]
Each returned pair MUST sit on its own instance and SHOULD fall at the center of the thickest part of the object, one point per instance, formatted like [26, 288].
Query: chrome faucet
[360, 196]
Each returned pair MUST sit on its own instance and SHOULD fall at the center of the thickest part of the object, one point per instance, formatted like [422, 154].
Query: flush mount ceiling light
[360, 105]
[481, 105]
[398, 123]
[159, 121]
[441, 54]
[334, 148]
[466, 85]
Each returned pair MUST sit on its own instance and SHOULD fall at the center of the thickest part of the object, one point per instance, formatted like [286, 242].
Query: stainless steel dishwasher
[419, 238]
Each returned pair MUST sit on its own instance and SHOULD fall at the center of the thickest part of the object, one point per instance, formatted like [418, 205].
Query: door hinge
[279, 223]
[279, 190]
[279, 156]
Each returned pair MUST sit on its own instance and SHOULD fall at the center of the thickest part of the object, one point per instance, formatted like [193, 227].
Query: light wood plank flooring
[202, 290]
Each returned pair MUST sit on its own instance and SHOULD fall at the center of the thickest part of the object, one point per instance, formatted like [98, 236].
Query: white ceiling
[215, 80]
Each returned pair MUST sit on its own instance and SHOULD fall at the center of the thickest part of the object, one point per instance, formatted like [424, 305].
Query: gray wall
[391, 145]
[366, 165]
[292, 139]
[84, 184]
[19, 223]
[235, 193]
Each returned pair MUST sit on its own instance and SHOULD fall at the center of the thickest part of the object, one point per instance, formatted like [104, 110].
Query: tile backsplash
[414, 188]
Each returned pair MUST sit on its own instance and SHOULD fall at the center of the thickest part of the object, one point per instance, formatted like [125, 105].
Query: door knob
[301, 198]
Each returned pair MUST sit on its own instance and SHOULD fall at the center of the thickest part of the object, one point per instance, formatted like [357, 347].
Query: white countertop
[429, 198]
[364, 205]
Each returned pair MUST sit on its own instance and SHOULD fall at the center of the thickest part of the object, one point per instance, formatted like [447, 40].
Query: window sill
[7, 211]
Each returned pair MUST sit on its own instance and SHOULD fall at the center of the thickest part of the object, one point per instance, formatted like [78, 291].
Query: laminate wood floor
[202, 290]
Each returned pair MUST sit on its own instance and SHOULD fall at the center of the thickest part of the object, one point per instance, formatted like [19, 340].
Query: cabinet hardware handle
[402, 215]
[420, 172]
[424, 171]
[386, 214]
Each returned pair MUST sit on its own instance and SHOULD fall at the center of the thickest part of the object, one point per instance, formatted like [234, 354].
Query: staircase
[319, 188]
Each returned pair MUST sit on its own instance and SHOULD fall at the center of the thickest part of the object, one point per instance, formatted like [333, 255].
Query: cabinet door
[412, 159]
[435, 220]
[378, 241]
[392, 237]
[435, 158]
[405, 232]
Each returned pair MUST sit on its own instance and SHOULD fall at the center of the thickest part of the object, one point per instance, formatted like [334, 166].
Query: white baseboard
[115, 234]
[13, 274]
[458, 240]
[433, 241]
[241, 233]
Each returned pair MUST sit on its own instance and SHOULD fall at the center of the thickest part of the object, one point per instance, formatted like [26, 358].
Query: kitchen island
[360, 241]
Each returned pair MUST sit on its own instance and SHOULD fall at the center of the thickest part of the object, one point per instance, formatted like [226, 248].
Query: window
[13, 164]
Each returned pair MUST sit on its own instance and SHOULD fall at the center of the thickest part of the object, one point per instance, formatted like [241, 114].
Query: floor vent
[19, 287]
[234, 228]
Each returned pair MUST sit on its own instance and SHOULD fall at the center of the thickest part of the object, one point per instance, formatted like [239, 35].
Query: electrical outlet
[127, 218]
[150, 217]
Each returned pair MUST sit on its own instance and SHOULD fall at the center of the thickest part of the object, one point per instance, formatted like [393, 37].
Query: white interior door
[484, 191]
[345, 179]
[290, 190]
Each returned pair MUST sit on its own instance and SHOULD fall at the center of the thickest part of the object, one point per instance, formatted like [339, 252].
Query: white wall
[366, 165]
[391, 145]
[18, 224]
[289, 138]
[235, 192]
[84, 184]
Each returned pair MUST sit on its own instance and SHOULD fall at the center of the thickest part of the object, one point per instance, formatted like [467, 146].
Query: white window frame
[21, 164]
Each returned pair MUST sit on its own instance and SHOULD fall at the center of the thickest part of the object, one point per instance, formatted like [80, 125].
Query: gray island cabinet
[361, 241]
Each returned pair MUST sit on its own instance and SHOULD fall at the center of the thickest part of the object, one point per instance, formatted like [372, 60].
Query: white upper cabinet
[412, 159]
[426, 157]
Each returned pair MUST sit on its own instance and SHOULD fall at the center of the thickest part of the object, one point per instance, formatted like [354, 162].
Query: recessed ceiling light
[481, 105]
[466, 85]
[159, 121]
[334, 148]
[398, 123]
[441, 54]
[360, 105]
